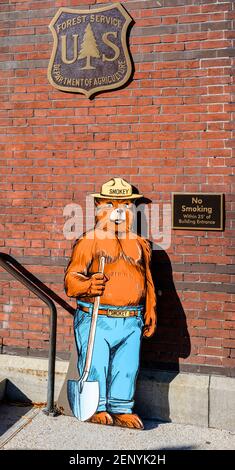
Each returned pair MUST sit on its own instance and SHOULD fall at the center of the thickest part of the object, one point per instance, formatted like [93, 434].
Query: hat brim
[101, 196]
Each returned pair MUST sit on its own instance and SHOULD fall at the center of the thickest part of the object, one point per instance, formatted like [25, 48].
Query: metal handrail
[23, 275]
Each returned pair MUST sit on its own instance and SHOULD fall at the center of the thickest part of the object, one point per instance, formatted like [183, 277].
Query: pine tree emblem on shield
[90, 52]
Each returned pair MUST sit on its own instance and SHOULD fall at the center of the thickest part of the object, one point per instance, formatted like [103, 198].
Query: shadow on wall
[161, 353]
[171, 341]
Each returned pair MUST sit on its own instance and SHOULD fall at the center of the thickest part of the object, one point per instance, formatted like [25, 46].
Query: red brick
[211, 352]
[229, 343]
[194, 18]
[15, 342]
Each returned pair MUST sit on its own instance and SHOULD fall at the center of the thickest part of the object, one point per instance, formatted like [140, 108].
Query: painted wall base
[196, 399]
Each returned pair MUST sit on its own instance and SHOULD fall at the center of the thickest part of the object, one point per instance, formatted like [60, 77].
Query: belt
[112, 311]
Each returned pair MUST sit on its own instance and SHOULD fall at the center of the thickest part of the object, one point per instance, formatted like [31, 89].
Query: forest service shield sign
[90, 51]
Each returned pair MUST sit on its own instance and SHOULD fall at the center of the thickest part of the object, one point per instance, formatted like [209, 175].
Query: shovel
[83, 396]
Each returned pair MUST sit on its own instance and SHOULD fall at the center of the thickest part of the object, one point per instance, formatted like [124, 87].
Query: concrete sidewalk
[31, 429]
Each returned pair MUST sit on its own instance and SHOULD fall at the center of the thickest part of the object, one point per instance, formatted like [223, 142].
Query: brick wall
[168, 130]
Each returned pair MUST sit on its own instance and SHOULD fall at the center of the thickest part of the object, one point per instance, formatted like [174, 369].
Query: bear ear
[98, 202]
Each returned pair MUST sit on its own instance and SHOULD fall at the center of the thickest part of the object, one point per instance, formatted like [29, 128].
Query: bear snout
[118, 215]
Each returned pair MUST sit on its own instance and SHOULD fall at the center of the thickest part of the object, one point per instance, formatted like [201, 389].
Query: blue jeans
[115, 359]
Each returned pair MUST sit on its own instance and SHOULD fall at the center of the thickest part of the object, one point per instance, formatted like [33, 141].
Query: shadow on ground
[148, 424]
[11, 414]
[177, 448]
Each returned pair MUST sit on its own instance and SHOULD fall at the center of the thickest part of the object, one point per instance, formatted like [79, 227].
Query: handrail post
[7, 262]
[50, 409]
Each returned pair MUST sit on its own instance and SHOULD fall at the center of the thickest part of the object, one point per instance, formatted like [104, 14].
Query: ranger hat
[117, 188]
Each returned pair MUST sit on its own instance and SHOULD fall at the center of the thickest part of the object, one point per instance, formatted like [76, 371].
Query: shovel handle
[92, 331]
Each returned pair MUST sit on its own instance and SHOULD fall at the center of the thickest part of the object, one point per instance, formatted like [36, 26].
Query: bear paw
[127, 421]
[101, 418]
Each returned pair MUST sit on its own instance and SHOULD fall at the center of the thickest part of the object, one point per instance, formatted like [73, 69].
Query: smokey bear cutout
[124, 299]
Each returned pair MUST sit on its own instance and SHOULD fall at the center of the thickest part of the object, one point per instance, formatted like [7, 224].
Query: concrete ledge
[181, 398]
[27, 377]
[196, 399]
[222, 403]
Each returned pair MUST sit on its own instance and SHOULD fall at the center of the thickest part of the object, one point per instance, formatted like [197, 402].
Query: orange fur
[128, 279]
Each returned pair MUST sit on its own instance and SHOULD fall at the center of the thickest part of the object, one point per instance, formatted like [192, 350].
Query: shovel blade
[83, 398]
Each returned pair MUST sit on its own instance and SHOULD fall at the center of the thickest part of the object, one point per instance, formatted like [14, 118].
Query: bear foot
[101, 418]
[127, 421]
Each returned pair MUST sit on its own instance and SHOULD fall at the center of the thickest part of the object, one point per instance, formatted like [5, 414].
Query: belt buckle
[109, 312]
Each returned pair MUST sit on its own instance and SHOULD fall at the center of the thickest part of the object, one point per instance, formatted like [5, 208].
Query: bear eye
[109, 204]
[127, 204]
